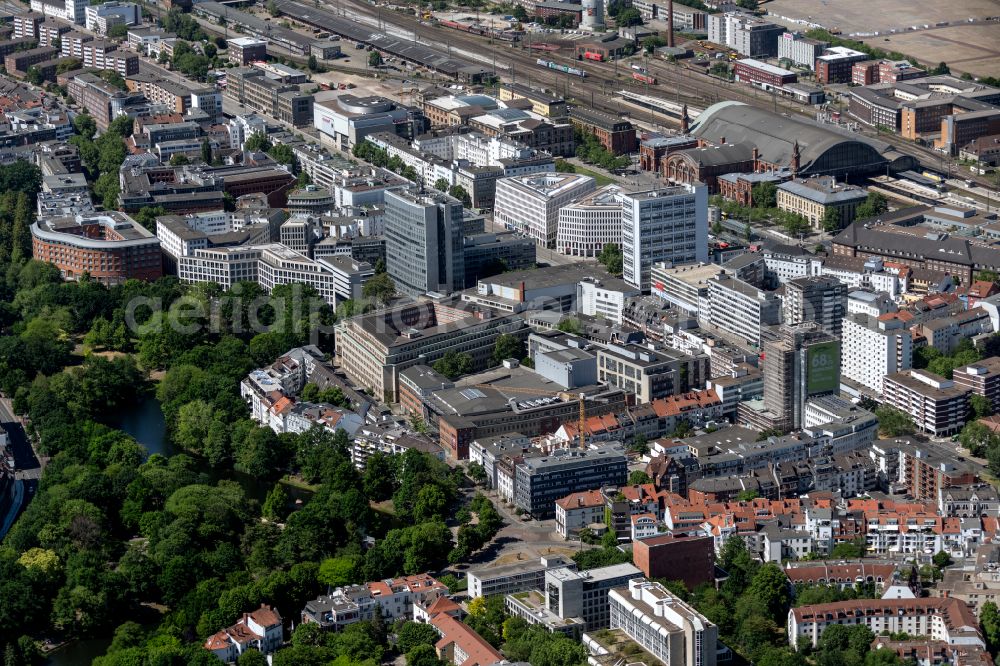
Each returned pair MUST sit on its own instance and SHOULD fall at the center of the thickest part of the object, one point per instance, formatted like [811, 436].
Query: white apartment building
[939, 618]
[71, 11]
[935, 404]
[665, 626]
[873, 348]
[530, 204]
[869, 303]
[604, 298]
[741, 309]
[588, 224]
[782, 266]
[668, 224]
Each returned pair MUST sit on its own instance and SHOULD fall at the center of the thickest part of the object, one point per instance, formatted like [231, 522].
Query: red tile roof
[455, 631]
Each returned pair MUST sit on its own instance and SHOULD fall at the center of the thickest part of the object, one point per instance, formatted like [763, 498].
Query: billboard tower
[801, 362]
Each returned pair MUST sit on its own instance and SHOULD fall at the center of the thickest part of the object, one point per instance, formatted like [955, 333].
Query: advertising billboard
[823, 367]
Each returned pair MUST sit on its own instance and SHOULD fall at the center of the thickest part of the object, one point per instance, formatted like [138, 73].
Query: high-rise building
[668, 224]
[800, 362]
[818, 299]
[873, 348]
[424, 242]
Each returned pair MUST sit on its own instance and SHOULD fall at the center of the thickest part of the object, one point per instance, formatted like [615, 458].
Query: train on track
[593, 56]
[562, 68]
[502, 35]
[644, 78]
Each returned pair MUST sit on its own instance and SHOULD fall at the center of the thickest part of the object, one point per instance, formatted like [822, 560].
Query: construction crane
[581, 397]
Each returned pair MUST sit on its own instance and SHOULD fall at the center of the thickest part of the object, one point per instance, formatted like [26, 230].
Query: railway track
[680, 84]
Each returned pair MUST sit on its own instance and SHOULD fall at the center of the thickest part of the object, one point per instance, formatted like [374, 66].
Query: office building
[245, 50]
[348, 119]
[801, 362]
[685, 557]
[762, 75]
[182, 237]
[650, 373]
[741, 309]
[100, 18]
[669, 225]
[488, 253]
[573, 601]
[874, 347]
[110, 247]
[542, 102]
[751, 36]
[953, 255]
[616, 134]
[374, 348]
[822, 300]
[836, 64]
[279, 265]
[71, 11]
[541, 481]
[684, 287]
[665, 626]
[513, 578]
[530, 204]
[936, 405]
[814, 198]
[586, 225]
[604, 298]
[349, 276]
[424, 242]
[252, 87]
[799, 49]
[554, 136]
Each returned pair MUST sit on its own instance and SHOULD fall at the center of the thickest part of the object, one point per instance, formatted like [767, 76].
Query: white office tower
[593, 14]
[588, 224]
[668, 224]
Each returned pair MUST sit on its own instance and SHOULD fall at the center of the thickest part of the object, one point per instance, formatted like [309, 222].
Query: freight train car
[562, 68]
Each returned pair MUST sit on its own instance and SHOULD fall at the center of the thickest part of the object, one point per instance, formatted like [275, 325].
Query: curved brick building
[111, 247]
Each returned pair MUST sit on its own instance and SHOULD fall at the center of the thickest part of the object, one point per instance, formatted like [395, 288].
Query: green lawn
[601, 179]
